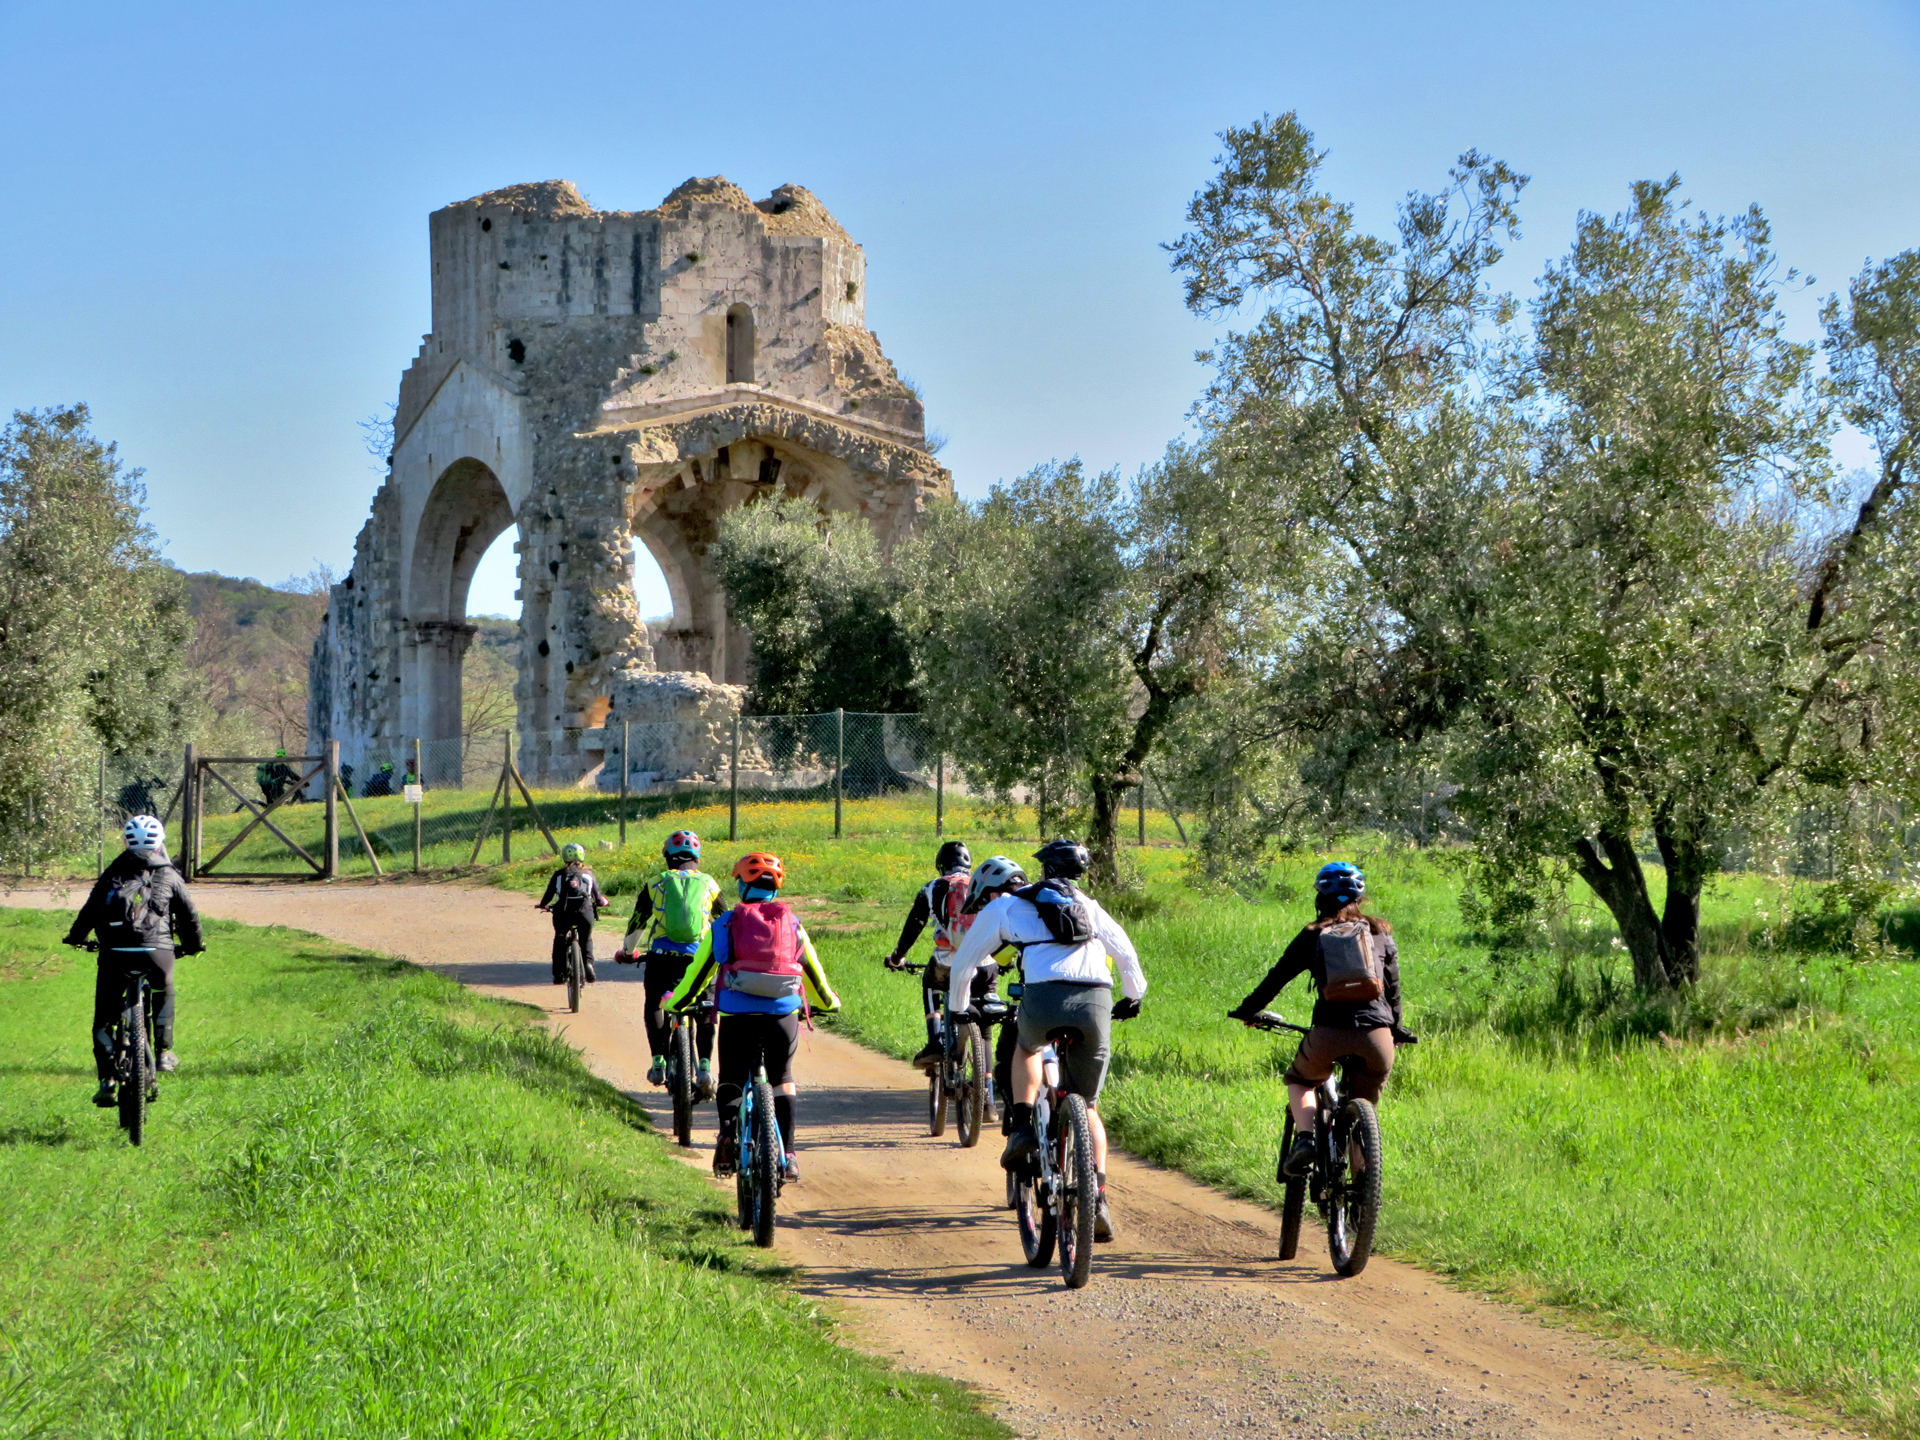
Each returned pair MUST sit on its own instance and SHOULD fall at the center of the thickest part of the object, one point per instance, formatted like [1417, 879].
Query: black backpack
[576, 889]
[127, 905]
[1063, 910]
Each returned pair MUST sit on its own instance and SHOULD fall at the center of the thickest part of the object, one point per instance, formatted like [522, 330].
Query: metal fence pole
[839, 766]
[1141, 790]
[100, 822]
[419, 780]
[733, 783]
[506, 801]
[940, 795]
[330, 857]
[626, 765]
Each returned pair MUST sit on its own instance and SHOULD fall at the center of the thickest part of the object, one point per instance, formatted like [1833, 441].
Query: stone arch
[465, 512]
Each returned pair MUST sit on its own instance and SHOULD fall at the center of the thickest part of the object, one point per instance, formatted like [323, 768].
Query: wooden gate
[200, 774]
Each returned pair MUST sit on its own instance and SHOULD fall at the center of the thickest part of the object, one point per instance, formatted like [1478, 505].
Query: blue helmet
[1340, 882]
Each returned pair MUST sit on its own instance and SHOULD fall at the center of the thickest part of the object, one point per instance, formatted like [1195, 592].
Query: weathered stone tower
[595, 377]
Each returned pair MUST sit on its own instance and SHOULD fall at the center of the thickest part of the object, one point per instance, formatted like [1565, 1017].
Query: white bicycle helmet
[991, 874]
[144, 833]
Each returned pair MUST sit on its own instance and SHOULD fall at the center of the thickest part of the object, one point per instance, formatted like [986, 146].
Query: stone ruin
[599, 377]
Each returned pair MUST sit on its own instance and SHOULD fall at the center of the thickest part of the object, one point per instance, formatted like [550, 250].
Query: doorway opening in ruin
[466, 517]
[739, 345]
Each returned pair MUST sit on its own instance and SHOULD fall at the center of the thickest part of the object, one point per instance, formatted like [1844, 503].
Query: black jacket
[168, 912]
[1302, 957]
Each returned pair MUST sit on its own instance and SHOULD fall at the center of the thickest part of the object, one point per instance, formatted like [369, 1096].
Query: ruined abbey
[601, 377]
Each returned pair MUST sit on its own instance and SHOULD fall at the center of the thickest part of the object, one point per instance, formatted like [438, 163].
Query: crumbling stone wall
[597, 377]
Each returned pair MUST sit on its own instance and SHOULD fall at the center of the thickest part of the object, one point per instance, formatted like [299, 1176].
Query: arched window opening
[739, 345]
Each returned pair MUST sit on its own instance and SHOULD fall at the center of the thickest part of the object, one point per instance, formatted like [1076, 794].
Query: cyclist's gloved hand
[1242, 1014]
[1404, 1036]
[1125, 1009]
[894, 962]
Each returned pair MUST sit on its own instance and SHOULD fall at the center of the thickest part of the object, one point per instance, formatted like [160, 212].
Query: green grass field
[378, 1205]
[1744, 1186]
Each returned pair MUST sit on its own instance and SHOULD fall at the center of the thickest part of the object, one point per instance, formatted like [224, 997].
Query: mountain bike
[756, 1180]
[1057, 1193]
[683, 1076]
[1344, 1178]
[135, 1074]
[965, 1079]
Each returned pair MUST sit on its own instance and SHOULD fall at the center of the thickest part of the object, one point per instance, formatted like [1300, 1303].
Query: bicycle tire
[766, 1163]
[742, 1169]
[1038, 1229]
[576, 974]
[976, 1073]
[1293, 1197]
[1079, 1193]
[1013, 1187]
[681, 1079]
[937, 1100]
[1353, 1207]
[133, 1072]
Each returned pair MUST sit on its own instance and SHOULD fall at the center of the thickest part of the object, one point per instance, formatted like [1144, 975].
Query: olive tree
[93, 628]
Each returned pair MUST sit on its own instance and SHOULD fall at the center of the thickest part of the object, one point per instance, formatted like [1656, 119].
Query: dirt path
[1190, 1328]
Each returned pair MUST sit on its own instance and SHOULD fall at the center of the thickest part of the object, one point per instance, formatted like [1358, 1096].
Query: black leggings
[746, 1043]
[109, 989]
[663, 973]
[562, 928]
[932, 985]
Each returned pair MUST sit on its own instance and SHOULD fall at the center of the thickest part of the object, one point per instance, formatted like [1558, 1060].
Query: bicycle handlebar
[910, 967]
[1267, 1020]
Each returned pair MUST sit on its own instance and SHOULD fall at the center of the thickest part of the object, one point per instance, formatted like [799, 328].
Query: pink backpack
[953, 926]
[763, 951]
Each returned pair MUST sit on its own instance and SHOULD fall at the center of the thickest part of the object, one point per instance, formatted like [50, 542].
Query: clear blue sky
[216, 220]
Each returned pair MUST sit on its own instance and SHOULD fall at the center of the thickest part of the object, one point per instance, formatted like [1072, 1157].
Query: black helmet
[1063, 859]
[953, 855]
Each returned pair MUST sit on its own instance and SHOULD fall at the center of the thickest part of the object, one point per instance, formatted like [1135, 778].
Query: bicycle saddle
[1064, 1035]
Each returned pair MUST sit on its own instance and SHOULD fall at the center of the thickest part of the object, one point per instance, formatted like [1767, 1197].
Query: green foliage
[371, 1203]
[820, 602]
[92, 629]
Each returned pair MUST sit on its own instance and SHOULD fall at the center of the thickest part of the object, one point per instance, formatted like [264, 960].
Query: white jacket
[1008, 919]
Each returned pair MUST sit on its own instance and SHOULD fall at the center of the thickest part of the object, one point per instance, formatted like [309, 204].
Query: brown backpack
[1351, 962]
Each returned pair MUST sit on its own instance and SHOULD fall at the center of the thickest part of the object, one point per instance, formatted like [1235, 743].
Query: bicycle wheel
[1079, 1193]
[937, 1100]
[681, 1078]
[134, 1063]
[976, 1072]
[1354, 1205]
[1293, 1197]
[766, 1163]
[743, 1162]
[1038, 1228]
[576, 974]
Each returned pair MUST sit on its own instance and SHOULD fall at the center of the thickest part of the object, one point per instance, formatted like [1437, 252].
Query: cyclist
[574, 900]
[768, 974]
[1069, 947]
[942, 900]
[137, 910]
[992, 878]
[1357, 1033]
[677, 908]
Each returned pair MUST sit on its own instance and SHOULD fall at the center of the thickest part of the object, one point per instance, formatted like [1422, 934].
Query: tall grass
[372, 1205]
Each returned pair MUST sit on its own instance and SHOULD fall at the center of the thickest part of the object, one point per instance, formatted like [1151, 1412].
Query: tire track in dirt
[1190, 1327]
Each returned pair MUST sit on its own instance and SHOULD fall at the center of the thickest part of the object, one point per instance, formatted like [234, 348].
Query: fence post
[506, 801]
[626, 767]
[940, 795]
[839, 765]
[330, 858]
[1141, 790]
[733, 784]
[189, 813]
[419, 780]
[100, 821]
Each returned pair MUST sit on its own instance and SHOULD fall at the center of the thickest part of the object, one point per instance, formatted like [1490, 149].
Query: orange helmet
[758, 868]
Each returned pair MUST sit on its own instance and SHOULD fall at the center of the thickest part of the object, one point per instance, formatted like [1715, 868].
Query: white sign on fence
[413, 793]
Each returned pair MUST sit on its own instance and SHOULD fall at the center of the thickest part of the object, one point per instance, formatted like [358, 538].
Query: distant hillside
[251, 643]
